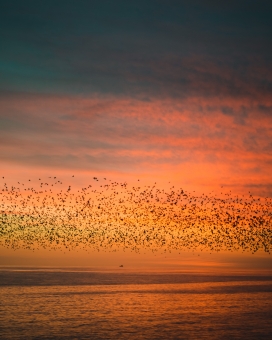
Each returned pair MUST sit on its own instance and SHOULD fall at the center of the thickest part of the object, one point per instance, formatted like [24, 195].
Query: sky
[161, 91]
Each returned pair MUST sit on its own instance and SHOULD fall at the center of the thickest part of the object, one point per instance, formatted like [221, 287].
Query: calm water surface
[39, 304]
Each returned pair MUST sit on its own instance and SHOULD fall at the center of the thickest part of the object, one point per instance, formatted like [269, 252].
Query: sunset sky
[161, 91]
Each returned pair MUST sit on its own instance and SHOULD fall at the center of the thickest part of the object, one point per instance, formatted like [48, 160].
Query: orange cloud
[229, 138]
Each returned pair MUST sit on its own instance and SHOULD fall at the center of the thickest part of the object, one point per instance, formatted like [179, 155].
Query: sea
[74, 303]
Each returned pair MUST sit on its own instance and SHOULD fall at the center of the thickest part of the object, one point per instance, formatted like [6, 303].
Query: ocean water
[82, 304]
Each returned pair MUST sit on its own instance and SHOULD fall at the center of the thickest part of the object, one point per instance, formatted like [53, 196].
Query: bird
[117, 215]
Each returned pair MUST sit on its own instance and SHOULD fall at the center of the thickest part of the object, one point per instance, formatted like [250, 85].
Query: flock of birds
[112, 215]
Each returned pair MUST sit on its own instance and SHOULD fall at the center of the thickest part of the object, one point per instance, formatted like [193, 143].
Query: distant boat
[121, 266]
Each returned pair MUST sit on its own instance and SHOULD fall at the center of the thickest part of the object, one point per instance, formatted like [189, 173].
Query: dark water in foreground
[92, 305]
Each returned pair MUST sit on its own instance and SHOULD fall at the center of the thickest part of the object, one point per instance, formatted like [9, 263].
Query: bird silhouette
[117, 215]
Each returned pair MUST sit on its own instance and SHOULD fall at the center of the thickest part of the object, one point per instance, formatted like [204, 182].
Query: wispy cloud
[109, 132]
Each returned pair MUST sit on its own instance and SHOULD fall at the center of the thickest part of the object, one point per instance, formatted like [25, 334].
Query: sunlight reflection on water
[203, 309]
